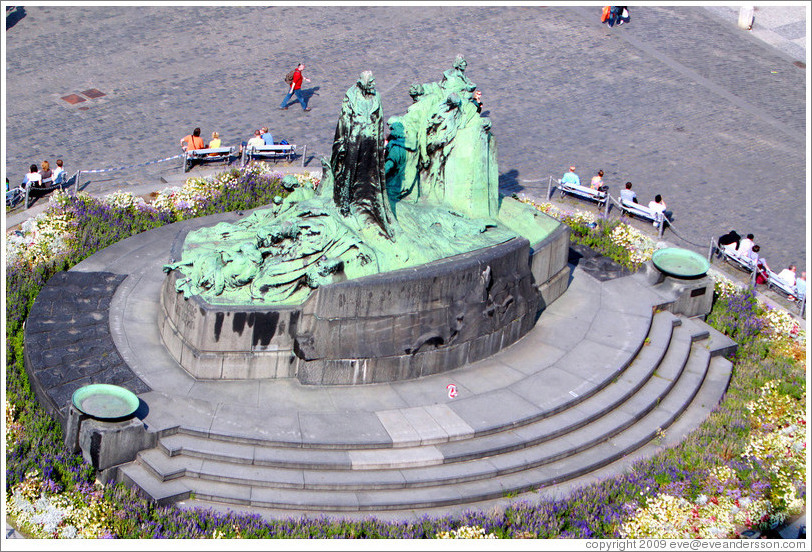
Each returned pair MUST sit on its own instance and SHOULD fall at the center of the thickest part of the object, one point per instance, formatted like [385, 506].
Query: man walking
[296, 87]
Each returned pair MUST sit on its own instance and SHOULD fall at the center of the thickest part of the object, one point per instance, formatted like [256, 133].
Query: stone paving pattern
[680, 101]
[68, 342]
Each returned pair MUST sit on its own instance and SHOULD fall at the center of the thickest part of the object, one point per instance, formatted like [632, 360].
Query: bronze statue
[358, 156]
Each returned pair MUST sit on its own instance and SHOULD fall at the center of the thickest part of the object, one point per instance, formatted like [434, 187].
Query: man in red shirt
[192, 141]
[295, 87]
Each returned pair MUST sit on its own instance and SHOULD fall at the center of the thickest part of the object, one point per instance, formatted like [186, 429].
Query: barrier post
[27, 186]
[304, 154]
[710, 251]
[76, 182]
[606, 206]
[549, 188]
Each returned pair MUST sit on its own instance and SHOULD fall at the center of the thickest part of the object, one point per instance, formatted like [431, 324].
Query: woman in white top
[33, 177]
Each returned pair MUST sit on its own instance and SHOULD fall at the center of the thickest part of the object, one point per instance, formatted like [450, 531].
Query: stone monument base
[387, 327]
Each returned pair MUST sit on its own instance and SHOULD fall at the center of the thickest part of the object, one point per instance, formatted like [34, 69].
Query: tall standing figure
[358, 156]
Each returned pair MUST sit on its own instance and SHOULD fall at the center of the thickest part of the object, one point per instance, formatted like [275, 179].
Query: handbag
[605, 13]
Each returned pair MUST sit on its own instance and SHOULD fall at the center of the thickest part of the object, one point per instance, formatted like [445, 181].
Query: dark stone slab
[68, 342]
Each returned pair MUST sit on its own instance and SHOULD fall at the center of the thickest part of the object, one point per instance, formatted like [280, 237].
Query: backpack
[289, 77]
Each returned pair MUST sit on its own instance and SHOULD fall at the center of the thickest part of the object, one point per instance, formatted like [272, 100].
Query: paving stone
[707, 76]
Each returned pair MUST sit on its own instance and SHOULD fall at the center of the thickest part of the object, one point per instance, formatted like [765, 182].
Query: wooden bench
[275, 152]
[582, 191]
[205, 155]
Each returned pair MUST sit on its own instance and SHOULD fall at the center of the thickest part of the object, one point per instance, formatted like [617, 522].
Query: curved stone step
[667, 405]
[543, 428]
[375, 494]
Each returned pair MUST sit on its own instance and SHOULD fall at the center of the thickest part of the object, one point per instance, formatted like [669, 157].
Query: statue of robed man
[358, 156]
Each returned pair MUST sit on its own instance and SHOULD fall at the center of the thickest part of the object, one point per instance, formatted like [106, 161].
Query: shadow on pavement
[509, 181]
[13, 15]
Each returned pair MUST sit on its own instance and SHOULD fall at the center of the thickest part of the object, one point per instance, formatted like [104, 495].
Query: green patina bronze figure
[358, 156]
[431, 192]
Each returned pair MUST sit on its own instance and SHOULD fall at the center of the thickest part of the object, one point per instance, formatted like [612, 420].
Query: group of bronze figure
[373, 205]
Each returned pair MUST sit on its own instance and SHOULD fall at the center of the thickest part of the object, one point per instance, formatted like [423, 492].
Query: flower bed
[621, 242]
[743, 468]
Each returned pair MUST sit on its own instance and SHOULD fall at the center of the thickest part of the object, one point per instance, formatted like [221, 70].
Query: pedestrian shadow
[308, 93]
[13, 15]
[509, 182]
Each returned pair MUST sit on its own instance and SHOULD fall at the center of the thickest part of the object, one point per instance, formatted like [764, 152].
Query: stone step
[542, 428]
[371, 471]
[704, 402]
[138, 476]
[373, 494]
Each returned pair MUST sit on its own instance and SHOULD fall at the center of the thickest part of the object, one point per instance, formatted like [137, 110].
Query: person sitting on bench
[627, 194]
[746, 245]
[192, 141]
[33, 177]
[788, 275]
[267, 137]
[800, 285]
[59, 170]
[46, 173]
[658, 206]
[730, 241]
[570, 177]
[761, 266]
[597, 182]
[256, 141]
[215, 140]
[215, 143]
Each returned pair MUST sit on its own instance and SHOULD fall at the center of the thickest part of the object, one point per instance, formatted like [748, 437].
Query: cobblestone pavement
[679, 101]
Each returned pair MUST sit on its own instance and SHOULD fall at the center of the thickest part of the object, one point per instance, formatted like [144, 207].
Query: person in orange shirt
[193, 141]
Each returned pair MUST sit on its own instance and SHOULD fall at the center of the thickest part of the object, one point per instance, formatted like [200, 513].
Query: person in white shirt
[59, 170]
[627, 194]
[658, 206]
[788, 275]
[745, 245]
[34, 178]
[257, 140]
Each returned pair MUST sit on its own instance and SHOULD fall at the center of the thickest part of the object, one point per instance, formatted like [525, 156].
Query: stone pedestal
[691, 296]
[386, 327]
[106, 444]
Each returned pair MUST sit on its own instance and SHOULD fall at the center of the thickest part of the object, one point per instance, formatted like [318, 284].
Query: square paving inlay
[94, 93]
[73, 98]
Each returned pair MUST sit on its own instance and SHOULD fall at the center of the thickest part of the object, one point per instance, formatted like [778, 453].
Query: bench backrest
[642, 210]
[583, 190]
[745, 262]
[774, 280]
[276, 148]
[207, 151]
